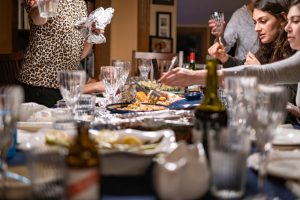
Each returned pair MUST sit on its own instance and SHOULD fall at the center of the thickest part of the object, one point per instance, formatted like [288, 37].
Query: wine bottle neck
[212, 78]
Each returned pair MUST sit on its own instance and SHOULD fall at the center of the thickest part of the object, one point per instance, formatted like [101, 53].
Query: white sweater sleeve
[286, 71]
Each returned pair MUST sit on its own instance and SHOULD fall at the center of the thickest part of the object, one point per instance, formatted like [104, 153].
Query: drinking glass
[269, 112]
[71, 83]
[125, 70]
[145, 66]
[10, 103]
[110, 76]
[228, 151]
[218, 17]
[47, 8]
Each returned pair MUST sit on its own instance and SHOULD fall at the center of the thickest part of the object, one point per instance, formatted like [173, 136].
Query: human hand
[181, 77]
[96, 31]
[217, 28]
[217, 51]
[251, 59]
[293, 109]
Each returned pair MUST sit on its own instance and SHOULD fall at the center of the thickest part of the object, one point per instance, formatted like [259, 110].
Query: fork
[153, 95]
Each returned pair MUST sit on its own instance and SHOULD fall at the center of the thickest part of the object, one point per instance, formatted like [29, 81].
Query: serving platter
[142, 107]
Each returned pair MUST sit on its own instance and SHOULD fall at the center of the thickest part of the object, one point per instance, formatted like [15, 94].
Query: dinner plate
[116, 161]
[117, 108]
[33, 126]
[287, 137]
[184, 104]
[283, 164]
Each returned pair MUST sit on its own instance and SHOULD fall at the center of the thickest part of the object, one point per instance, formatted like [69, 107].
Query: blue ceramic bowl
[193, 96]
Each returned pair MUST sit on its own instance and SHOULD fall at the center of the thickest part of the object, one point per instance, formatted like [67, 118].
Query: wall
[124, 29]
[197, 11]
[5, 27]
[164, 8]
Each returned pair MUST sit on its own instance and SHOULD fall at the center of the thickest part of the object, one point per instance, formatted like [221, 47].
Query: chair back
[10, 65]
[160, 61]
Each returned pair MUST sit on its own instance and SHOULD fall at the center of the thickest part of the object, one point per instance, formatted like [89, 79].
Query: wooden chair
[10, 65]
[160, 61]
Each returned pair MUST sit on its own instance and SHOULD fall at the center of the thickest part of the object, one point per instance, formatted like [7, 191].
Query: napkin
[28, 109]
[98, 19]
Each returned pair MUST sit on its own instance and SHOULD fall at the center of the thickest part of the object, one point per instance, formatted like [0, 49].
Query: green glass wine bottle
[211, 114]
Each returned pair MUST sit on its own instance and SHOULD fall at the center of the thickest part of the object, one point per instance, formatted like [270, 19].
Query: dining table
[142, 186]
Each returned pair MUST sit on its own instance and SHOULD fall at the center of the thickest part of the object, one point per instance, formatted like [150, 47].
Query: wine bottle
[211, 114]
[83, 167]
[192, 65]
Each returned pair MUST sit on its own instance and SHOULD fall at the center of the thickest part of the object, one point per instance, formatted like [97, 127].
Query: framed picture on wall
[163, 2]
[163, 24]
[161, 44]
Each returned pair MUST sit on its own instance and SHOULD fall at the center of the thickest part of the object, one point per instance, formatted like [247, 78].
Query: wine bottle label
[83, 184]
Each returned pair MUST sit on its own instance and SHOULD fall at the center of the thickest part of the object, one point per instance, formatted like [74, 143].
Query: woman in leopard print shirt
[54, 45]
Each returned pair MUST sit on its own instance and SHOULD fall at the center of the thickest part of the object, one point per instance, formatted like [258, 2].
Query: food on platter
[158, 86]
[142, 107]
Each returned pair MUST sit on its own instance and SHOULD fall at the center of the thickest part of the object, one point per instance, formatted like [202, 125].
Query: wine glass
[269, 111]
[71, 83]
[218, 17]
[125, 70]
[110, 75]
[11, 98]
[145, 66]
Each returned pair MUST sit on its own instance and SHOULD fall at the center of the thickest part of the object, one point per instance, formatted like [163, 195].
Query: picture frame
[163, 2]
[160, 44]
[163, 24]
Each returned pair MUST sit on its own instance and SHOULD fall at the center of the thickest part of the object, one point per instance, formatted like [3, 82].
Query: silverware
[173, 62]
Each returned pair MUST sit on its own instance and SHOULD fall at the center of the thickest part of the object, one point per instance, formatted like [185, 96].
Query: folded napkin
[28, 109]
[98, 19]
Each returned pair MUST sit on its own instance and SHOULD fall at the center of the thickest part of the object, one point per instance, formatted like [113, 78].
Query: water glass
[228, 151]
[125, 70]
[47, 8]
[145, 66]
[110, 75]
[47, 171]
[85, 108]
[71, 83]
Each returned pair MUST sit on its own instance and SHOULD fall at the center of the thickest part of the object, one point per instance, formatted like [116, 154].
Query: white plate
[33, 126]
[283, 164]
[287, 136]
[116, 162]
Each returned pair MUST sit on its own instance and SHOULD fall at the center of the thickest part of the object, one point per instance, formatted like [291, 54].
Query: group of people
[277, 60]
[266, 34]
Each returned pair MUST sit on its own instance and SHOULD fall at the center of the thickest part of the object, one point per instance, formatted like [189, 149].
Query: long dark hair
[295, 2]
[280, 48]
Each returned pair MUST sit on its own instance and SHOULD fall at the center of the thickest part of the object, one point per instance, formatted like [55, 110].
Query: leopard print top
[53, 46]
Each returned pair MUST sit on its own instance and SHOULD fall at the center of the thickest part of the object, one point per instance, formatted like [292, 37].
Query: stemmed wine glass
[145, 66]
[110, 75]
[218, 17]
[71, 83]
[269, 111]
[11, 98]
[125, 67]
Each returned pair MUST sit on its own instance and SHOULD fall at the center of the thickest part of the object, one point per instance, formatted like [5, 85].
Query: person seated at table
[269, 18]
[281, 72]
[239, 31]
